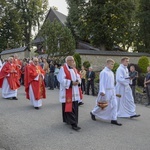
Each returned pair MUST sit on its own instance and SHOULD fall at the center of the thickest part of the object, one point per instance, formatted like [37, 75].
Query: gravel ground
[24, 128]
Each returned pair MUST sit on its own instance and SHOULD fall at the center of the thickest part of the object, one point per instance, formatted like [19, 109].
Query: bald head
[10, 59]
[35, 61]
[15, 56]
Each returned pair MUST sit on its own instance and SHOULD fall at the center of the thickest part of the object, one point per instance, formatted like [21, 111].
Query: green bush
[143, 63]
[86, 64]
[140, 79]
[116, 65]
[77, 59]
[96, 77]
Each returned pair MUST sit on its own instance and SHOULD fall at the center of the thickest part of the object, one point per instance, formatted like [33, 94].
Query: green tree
[10, 30]
[18, 18]
[58, 39]
[76, 18]
[143, 63]
[114, 23]
[116, 65]
[86, 64]
[103, 23]
[143, 16]
[77, 60]
[32, 13]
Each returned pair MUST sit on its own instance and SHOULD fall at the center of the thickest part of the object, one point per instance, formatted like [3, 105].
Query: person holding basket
[106, 104]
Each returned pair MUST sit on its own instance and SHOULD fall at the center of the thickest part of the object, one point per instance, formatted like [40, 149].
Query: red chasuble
[18, 64]
[10, 72]
[38, 86]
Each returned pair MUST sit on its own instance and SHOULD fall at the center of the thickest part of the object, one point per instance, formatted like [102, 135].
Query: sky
[60, 4]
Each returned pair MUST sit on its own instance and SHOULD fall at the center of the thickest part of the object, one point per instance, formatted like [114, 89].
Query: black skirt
[70, 117]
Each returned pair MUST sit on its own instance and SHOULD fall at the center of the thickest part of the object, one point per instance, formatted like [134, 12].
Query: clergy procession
[114, 100]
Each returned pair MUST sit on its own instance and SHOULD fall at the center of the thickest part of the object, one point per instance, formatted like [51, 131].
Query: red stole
[68, 106]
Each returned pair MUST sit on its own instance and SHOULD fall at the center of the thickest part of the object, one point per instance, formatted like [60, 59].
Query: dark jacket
[91, 75]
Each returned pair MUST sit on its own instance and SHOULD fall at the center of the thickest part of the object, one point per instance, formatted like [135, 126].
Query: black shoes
[135, 116]
[80, 103]
[115, 123]
[36, 108]
[148, 104]
[14, 98]
[92, 116]
[75, 127]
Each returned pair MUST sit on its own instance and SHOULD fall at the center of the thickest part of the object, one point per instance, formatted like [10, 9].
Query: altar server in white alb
[126, 106]
[106, 94]
[69, 92]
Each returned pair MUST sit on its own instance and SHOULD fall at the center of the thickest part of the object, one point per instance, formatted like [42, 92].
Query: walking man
[106, 104]
[69, 92]
[34, 84]
[9, 81]
[126, 106]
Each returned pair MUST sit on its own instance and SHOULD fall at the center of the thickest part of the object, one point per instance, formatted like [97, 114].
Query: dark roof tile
[15, 50]
[110, 53]
[60, 16]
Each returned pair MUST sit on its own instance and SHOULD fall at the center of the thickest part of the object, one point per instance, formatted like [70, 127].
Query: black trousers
[90, 83]
[70, 117]
[51, 80]
[148, 93]
[83, 85]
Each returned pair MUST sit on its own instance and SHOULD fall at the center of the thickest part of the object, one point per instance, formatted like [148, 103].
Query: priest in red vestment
[34, 83]
[18, 64]
[69, 92]
[9, 80]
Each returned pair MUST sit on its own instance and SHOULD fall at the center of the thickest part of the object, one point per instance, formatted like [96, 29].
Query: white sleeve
[102, 83]
[61, 77]
[120, 77]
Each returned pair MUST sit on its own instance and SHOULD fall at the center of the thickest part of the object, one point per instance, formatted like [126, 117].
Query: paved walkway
[24, 128]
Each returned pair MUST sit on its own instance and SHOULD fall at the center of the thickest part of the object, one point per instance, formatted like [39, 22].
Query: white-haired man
[34, 84]
[9, 81]
[69, 92]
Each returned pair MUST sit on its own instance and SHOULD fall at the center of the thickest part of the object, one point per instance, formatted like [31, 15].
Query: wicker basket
[102, 105]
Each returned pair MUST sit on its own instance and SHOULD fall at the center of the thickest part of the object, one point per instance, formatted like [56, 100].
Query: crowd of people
[113, 100]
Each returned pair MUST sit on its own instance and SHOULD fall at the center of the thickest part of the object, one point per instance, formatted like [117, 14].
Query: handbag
[102, 103]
